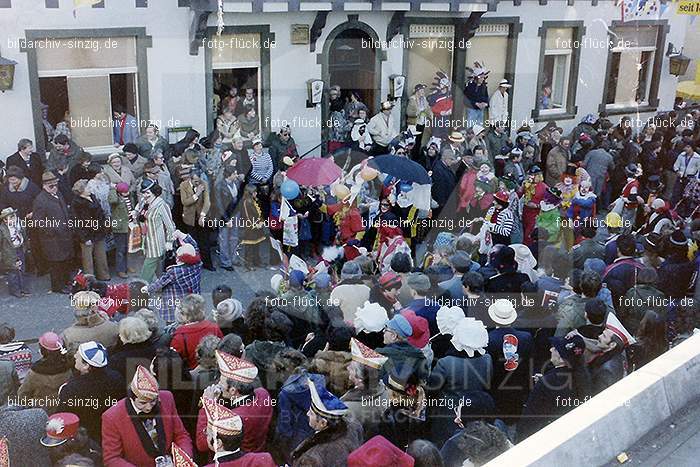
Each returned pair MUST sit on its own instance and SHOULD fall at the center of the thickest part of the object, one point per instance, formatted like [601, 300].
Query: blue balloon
[290, 189]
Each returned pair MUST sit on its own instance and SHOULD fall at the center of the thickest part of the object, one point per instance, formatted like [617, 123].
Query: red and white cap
[221, 419]
[144, 384]
[366, 356]
[181, 458]
[60, 428]
[236, 368]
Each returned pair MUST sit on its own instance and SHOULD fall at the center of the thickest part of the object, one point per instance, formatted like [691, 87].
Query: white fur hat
[470, 336]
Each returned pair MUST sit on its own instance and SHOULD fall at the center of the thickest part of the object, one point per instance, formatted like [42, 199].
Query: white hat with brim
[502, 312]
[504, 83]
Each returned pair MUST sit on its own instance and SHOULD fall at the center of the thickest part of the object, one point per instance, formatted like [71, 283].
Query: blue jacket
[621, 276]
[294, 401]
[455, 375]
[475, 94]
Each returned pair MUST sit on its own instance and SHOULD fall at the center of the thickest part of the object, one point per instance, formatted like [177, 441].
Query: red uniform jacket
[256, 415]
[249, 459]
[121, 445]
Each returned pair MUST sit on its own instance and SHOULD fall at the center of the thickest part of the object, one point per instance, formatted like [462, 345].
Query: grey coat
[598, 163]
[23, 429]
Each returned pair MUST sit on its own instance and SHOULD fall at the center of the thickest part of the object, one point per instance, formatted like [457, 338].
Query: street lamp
[678, 63]
[396, 86]
[314, 92]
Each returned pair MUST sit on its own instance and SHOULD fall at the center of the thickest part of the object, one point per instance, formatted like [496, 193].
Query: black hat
[535, 169]
[654, 181]
[130, 148]
[147, 184]
[652, 241]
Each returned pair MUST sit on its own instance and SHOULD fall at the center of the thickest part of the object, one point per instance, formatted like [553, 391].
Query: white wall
[176, 79]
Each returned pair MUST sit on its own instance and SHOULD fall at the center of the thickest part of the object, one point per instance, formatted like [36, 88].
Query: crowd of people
[410, 323]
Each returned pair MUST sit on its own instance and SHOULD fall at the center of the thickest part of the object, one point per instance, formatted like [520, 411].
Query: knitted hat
[228, 310]
[390, 280]
[122, 187]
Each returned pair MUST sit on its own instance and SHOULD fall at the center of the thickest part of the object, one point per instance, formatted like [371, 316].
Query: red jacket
[256, 415]
[249, 459]
[186, 339]
[121, 445]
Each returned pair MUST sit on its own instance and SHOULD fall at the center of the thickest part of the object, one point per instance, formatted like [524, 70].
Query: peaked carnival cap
[222, 419]
[180, 457]
[366, 356]
[236, 368]
[325, 404]
[144, 384]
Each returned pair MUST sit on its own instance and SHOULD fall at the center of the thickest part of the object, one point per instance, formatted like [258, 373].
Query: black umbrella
[401, 168]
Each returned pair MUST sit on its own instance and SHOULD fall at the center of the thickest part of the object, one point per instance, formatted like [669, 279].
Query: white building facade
[164, 60]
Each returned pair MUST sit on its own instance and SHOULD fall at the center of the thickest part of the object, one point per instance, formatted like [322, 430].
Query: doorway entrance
[352, 65]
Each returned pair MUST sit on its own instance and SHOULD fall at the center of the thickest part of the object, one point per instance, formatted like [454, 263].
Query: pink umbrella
[315, 171]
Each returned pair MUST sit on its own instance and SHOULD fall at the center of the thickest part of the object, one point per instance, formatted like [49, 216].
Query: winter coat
[136, 165]
[416, 116]
[511, 376]
[621, 276]
[675, 277]
[495, 143]
[20, 356]
[330, 447]
[23, 429]
[193, 207]
[571, 314]
[96, 328]
[256, 413]
[557, 159]
[457, 374]
[366, 406]
[123, 445]
[123, 176]
[33, 169]
[588, 248]
[127, 357]
[444, 182]
[8, 252]
[55, 236]
[120, 212]
[637, 301]
[187, 336]
[89, 220]
[9, 380]
[476, 437]
[58, 158]
[89, 395]
[159, 229]
[498, 106]
[261, 354]
[42, 383]
[404, 361]
[294, 401]
[475, 93]
[607, 370]
[146, 148]
[178, 281]
[20, 199]
[543, 405]
[334, 366]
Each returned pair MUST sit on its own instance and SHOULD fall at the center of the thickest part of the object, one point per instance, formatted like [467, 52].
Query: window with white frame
[82, 81]
[555, 72]
[632, 58]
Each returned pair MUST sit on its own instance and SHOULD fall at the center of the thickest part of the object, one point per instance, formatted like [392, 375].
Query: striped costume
[158, 229]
